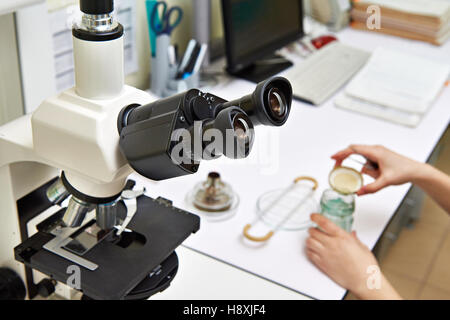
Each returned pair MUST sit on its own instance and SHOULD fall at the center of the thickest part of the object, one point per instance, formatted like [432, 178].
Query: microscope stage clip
[56, 246]
[129, 197]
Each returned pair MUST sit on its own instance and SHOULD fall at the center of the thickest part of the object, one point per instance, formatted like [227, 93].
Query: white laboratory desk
[216, 263]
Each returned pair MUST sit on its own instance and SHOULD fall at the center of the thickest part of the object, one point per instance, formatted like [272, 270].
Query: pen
[193, 59]
[200, 58]
[175, 47]
[197, 63]
[172, 55]
[186, 58]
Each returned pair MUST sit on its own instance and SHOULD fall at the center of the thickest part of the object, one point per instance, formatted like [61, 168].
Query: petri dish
[288, 210]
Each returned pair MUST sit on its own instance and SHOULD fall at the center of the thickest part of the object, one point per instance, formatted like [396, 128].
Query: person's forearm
[435, 183]
[384, 292]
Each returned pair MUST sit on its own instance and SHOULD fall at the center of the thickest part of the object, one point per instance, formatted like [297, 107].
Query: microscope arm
[16, 142]
[22, 170]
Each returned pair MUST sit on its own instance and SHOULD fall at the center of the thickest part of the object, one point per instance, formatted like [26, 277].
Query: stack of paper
[425, 20]
[395, 86]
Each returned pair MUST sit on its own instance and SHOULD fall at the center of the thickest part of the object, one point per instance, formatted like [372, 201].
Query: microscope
[69, 211]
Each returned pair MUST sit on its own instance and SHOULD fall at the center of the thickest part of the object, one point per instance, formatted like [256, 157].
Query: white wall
[11, 103]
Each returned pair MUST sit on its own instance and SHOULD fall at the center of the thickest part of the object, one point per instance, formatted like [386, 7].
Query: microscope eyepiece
[242, 128]
[269, 104]
[236, 131]
[97, 7]
[277, 103]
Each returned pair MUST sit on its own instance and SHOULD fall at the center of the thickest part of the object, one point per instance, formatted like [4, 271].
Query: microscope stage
[158, 229]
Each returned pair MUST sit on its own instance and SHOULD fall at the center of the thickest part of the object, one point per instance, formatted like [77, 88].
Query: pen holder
[160, 65]
[175, 86]
[164, 82]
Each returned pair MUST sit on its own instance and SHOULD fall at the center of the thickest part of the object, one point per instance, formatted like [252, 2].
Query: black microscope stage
[125, 265]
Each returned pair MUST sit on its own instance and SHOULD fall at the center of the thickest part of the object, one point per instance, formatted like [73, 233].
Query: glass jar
[213, 195]
[338, 208]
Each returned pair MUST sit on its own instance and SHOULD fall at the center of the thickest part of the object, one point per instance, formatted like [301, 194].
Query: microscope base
[124, 264]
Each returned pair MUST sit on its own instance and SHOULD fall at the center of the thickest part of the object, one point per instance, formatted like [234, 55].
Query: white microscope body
[75, 131]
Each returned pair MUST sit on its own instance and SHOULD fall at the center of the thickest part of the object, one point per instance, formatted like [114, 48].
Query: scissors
[161, 24]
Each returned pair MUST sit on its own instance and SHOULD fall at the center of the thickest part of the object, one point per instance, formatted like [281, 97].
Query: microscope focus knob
[11, 285]
[46, 287]
[97, 7]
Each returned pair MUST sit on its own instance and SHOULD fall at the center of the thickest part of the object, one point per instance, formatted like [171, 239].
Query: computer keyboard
[324, 72]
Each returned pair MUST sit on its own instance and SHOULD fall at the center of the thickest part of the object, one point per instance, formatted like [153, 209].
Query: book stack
[424, 20]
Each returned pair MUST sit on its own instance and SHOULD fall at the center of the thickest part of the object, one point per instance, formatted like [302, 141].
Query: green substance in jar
[338, 207]
[339, 211]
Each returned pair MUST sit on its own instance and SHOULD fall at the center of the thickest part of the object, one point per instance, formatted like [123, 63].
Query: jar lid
[345, 180]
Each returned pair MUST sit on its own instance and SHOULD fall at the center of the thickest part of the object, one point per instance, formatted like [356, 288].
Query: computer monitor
[254, 30]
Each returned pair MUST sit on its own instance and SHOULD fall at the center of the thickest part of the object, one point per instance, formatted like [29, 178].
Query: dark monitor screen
[255, 28]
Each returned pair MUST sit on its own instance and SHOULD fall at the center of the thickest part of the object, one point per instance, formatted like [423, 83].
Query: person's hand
[346, 260]
[339, 254]
[393, 169]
